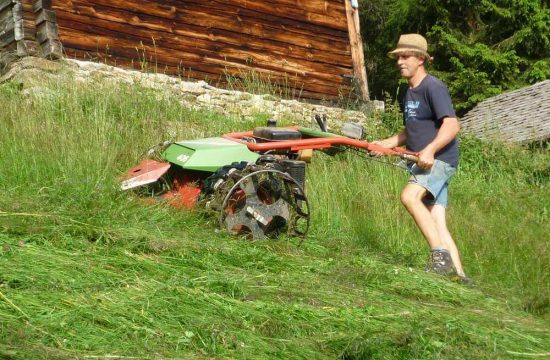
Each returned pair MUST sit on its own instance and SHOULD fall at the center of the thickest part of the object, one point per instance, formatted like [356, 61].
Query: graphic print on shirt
[410, 108]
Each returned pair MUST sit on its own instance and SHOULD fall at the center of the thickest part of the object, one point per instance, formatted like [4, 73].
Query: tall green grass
[254, 82]
[89, 271]
[498, 215]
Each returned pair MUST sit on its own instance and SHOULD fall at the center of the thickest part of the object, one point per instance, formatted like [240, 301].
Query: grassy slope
[88, 271]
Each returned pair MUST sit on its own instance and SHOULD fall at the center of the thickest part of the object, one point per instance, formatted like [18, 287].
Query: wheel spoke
[249, 186]
[271, 203]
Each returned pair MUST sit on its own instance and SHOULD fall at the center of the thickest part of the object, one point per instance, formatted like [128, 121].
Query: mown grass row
[261, 301]
[88, 271]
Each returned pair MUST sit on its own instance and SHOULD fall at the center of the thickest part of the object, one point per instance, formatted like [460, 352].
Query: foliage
[481, 48]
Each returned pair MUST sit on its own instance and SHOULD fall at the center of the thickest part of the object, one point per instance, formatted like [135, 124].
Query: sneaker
[441, 263]
[464, 280]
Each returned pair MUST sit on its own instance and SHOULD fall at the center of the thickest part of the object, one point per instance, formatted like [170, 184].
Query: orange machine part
[185, 191]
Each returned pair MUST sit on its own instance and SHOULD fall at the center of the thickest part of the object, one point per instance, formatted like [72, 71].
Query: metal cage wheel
[264, 204]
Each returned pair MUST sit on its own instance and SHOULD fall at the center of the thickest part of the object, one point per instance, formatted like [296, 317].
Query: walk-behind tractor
[254, 181]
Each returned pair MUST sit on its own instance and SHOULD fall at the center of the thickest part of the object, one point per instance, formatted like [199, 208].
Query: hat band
[405, 46]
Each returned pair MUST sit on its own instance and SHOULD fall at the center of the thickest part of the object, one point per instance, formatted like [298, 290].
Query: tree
[481, 47]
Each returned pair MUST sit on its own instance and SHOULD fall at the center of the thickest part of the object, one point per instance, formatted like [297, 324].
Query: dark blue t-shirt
[424, 108]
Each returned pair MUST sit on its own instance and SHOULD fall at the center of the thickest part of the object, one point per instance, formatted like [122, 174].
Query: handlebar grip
[409, 157]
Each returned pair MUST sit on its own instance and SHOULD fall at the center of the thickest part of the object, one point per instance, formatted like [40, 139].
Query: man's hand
[449, 128]
[426, 158]
[389, 143]
[382, 143]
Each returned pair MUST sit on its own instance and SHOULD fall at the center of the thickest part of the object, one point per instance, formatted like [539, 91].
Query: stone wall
[31, 72]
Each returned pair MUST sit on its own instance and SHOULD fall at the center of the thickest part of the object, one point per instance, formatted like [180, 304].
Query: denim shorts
[435, 180]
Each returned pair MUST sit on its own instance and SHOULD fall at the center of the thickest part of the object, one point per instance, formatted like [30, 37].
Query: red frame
[313, 143]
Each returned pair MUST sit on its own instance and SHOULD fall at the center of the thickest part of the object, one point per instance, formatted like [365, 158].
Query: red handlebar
[324, 142]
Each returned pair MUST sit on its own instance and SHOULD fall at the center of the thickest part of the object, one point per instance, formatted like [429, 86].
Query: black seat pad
[274, 133]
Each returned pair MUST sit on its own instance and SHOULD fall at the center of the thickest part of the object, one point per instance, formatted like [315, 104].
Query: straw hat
[411, 43]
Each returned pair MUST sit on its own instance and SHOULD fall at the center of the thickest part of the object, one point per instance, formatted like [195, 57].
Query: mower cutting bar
[316, 143]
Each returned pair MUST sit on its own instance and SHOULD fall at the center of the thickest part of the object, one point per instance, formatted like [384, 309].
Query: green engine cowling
[207, 154]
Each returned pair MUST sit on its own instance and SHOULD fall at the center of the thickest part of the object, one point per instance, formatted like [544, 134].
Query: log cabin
[312, 47]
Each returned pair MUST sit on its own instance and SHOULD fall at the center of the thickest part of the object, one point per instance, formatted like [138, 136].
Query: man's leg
[438, 215]
[411, 197]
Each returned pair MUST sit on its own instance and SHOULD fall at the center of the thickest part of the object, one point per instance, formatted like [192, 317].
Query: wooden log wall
[7, 25]
[25, 29]
[16, 31]
[47, 34]
[303, 45]
[29, 27]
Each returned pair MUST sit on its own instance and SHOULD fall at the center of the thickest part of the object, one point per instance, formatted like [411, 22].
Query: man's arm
[447, 132]
[398, 139]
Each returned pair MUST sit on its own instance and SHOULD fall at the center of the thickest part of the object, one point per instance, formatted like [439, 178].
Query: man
[430, 129]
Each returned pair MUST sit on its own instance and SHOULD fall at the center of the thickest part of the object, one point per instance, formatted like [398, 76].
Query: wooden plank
[7, 37]
[197, 59]
[185, 16]
[168, 9]
[218, 66]
[19, 30]
[293, 11]
[46, 31]
[5, 4]
[6, 17]
[27, 48]
[52, 49]
[215, 39]
[69, 20]
[168, 40]
[25, 30]
[111, 59]
[10, 47]
[30, 29]
[314, 71]
[304, 8]
[212, 35]
[272, 18]
[17, 12]
[186, 74]
[27, 7]
[185, 11]
[7, 26]
[204, 37]
[42, 4]
[268, 27]
[45, 15]
[133, 50]
[357, 54]
[128, 55]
